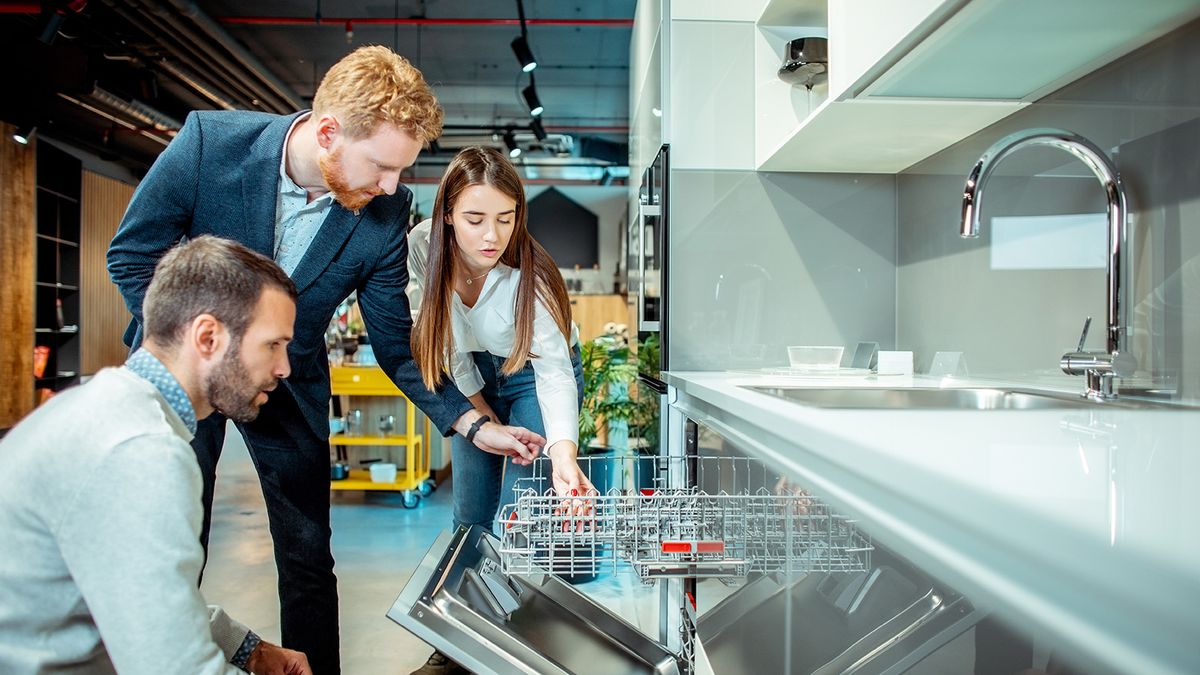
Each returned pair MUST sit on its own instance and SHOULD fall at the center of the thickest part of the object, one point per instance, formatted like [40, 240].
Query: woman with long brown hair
[496, 319]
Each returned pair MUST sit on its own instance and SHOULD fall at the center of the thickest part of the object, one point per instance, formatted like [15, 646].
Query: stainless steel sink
[947, 399]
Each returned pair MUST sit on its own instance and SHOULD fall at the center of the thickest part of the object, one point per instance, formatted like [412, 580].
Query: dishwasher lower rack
[692, 517]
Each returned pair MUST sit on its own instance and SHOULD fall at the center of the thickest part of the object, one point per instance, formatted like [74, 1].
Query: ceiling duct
[223, 38]
[556, 144]
[221, 69]
[137, 111]
[189, 80]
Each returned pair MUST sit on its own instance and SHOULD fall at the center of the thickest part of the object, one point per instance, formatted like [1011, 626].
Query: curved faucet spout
[1096, 160]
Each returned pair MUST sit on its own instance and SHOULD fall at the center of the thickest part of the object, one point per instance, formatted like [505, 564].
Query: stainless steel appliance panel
[459, 601]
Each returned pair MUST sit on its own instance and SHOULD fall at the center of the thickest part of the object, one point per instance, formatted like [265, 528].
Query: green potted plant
[620, 417]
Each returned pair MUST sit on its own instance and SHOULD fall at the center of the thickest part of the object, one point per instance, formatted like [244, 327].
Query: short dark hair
[208, 275]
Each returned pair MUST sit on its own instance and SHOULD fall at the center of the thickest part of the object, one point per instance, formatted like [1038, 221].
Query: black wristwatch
[483, 419]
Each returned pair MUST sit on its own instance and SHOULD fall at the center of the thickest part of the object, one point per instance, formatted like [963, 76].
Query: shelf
[52, 284]
[360, 479]
[339, 439]
[875, 136]
[64, 242]
[64, 375]
[58, 331]
[58, 194]
[361, 381]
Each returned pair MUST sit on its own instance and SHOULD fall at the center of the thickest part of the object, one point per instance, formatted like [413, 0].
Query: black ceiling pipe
[241, 71]
[155, 30]
[214, 30]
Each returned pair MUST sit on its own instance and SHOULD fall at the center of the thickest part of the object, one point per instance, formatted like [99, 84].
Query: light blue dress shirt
[297, 220]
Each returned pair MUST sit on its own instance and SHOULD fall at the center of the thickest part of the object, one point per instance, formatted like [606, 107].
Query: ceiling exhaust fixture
[521, 48]
[24, 134]
[531, 99]
[805, 61]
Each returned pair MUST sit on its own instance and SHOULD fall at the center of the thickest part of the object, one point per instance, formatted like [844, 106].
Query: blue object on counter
[366, 356]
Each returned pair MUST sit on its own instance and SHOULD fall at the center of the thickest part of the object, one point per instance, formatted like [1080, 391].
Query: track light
[521, 48]
[538, 130]
[510, 142]
[24, 133]
[531, 99]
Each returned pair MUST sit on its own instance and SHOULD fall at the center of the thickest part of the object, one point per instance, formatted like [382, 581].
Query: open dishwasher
[811, 593]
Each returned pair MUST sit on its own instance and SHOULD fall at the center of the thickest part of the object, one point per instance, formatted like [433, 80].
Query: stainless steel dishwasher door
[459, 601]
[881, 621]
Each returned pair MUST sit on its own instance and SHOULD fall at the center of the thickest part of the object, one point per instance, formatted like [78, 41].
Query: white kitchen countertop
[1084, 521]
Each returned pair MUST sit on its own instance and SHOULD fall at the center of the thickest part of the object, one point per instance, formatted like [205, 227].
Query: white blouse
[489, 327]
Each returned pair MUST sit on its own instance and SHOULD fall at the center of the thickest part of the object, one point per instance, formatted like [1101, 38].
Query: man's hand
[269, 659]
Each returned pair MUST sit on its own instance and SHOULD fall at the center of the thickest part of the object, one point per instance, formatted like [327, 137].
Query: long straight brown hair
[433, 335]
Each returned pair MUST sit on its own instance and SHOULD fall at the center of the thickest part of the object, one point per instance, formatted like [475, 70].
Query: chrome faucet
[1100, 368]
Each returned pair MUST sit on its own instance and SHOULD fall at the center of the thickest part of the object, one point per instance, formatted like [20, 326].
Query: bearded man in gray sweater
[100, 506]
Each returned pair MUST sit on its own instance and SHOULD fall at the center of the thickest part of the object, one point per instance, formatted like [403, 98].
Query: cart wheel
[411, 499]
[427, 487]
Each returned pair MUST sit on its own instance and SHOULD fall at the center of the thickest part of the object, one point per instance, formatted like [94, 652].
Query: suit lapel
[339, 224]
[260, 186]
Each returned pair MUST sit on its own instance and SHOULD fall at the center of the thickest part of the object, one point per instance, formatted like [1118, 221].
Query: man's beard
[231, 390]
[335, 177]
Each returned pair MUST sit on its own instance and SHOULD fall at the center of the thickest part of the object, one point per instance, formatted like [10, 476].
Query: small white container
[383, 472]
[895, 363]
[815, 358]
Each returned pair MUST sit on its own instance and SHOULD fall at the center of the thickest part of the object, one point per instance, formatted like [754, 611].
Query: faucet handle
[1083, 336]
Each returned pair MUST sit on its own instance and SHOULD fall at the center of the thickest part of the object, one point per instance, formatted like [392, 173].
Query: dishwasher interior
[807, 591]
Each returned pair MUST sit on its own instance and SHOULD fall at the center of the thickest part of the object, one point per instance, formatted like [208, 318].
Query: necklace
[471, 280]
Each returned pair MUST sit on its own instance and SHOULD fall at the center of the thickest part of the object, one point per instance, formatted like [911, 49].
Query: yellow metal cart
[412, 480]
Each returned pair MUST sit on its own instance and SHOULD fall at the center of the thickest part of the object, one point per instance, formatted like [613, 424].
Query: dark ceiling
[115, 77]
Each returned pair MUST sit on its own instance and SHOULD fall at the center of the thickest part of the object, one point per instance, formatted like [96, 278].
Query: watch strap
[475, 426]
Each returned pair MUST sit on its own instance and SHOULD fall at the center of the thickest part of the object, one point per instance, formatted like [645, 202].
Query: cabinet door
[710, 101]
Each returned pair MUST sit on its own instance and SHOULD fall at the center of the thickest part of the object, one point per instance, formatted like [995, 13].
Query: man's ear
[328, 128]
[207, 336]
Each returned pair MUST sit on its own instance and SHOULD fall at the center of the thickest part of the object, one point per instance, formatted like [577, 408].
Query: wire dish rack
[692, 517]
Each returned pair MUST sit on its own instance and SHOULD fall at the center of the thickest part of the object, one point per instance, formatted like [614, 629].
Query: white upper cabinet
[909, 78]
[710, 107]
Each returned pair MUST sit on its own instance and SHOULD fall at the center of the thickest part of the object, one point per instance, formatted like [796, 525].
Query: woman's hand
[573, 485]
[568, 478]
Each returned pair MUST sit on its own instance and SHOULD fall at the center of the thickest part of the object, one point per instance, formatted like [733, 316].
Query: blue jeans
[482, 481]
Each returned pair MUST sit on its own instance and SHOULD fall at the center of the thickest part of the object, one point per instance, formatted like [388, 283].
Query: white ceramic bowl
[815, 358]
[383, 472]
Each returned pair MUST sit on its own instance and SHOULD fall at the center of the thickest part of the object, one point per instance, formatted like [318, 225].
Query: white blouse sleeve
[554, 378]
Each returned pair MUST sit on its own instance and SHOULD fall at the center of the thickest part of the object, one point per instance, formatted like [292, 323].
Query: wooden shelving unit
[57, 267]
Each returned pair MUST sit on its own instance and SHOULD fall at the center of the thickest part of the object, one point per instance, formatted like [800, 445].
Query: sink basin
[945, 399]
